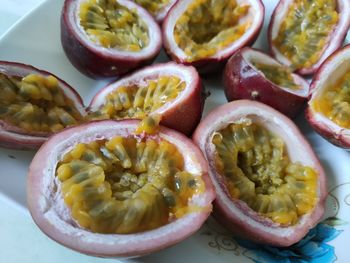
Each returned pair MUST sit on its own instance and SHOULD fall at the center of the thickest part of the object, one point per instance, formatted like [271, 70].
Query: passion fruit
[206, 33]
[158, 8]
[172, 91]
[108, 38]
[328, 111]
[251, 74]
[302, 34]
[270, 186]
[103, 190]
[33, 105]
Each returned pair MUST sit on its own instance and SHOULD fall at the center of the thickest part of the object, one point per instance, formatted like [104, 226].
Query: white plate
[36, 40]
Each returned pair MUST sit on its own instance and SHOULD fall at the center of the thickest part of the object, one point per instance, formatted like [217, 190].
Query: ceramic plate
[36, 40]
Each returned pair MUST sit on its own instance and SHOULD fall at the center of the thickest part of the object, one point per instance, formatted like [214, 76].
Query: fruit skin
[216, 62]
[242, 81]
[13, 137]
[48, 210]
[336, 42]
[98, 63]
[186, 114]
[326, 128]
[236, 215]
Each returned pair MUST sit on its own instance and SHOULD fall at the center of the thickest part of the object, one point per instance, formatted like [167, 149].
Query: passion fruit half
[104, 190]
[108, 38]
[251, 74]
[302, 34]
[172, 91]
[33, 105]
[158, 8]
[206, 33]
[328, 111]
[270, 186]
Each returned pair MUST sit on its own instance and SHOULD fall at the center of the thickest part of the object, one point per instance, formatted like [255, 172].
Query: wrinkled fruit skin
[242, 81]
[337, 136]
[335, 41]
[96, 64]
[236, 215]
[50, 214]
[11, 136]
[211, 64]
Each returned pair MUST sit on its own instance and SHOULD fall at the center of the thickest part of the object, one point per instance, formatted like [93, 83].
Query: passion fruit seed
[149, 125]
[152, 6]
[305, 30]
[36, 103]
[280, 75]
[126, 185]
[335, 102]
[257, 170]
[137, 101]
[208, 26]
[113, 26]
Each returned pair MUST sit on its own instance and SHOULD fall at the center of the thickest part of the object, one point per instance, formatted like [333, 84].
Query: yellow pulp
[36, 104]
[257, 170]
[279, 75]
[335, 102]
[138, 101]
[305, 31]
[208, 26]
[152, 6]
[149, 125]
[113, 26]
[125, 185]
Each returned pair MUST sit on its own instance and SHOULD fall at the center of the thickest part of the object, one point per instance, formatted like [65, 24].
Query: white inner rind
[334, 38]
[255, 15]
[251, 55]
[52, 206]
[187, 74]
[163, 12]
[297, 151]
[153, 32]
[334, 69]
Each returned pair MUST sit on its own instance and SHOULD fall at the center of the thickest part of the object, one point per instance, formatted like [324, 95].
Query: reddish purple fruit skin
[91, 63]
[207, 65]
[241, 81]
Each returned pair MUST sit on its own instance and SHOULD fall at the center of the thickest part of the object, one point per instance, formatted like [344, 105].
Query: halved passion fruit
[251, 74]
[304, 33]
[329, 106]
[270, 186]
[206, 33]
[33, 105]
[158, 8]
[104, 190]
[108, 38]
[170, 90]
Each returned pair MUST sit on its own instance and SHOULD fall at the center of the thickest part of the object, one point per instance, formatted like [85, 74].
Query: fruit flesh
[113, 26]
[36, 103]
[152, 6]
[305, 31]
[256, 169]
[126, 185]
[279, 75]
[334, 102]
[208, 26]
[138, 100]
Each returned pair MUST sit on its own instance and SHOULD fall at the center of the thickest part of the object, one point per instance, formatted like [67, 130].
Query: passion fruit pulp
[303, 34]
[33, 105]
[251, 74]
[158, 8]
[103, 190]
[108, 38]
[270, 186]
[206, 33]
[328, 111]
[172, 91]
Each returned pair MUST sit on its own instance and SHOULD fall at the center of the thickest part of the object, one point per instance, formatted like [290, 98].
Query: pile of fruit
[138, 170]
